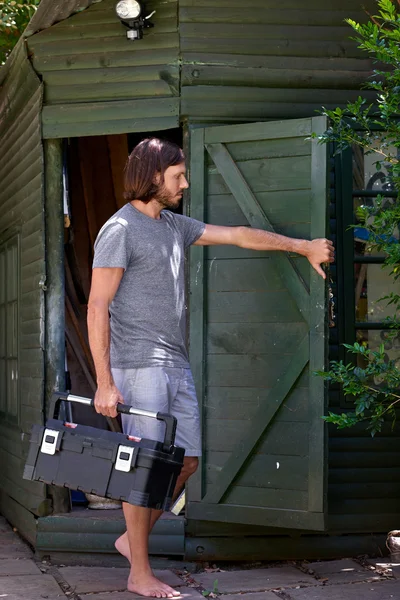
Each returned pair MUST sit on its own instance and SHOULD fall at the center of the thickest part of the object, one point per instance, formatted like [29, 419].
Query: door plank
[257, 218]
[224, 210]
[258, 131]
[243, 402]
[278, 472]
[252, 307]
[318, 328]
[267, 175]
[222, 436]
[197, 290]
[257, 515]
[279, 498]
[261, 421]
[253, 338]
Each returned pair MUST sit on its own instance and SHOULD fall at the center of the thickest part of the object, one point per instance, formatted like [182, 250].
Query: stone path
[22, 577]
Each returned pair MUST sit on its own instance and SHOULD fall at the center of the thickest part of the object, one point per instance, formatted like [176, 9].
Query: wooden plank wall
[271, 60]
[268, 59]
[275, 60]
[97, 82]
[21, 207]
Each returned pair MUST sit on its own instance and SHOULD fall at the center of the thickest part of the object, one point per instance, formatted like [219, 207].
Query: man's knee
[190, 464]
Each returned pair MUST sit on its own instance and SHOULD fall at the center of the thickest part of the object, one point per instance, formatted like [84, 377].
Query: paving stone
[13, 547]
[85, 580]
[326, 567]
[34, 587]
[251, 596]
[10, 567]
[254, 580]
[186, 594]
[383, 590]
[340, 571]
[384, 566]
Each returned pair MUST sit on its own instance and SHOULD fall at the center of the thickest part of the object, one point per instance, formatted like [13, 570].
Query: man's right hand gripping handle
[106, 400]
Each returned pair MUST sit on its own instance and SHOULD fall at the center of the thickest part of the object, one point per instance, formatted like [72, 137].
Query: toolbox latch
[125, 458]
[49, 443]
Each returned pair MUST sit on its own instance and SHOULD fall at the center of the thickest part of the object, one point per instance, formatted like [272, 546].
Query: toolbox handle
[169, 420]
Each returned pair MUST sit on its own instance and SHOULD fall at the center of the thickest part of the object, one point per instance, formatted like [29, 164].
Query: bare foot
[150, 586]
[122, 545]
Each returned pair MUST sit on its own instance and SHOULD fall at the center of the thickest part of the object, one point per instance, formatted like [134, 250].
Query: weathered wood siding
[268, 59]
[276, 59]
[271, 59]
[98, 82]
[21, 210]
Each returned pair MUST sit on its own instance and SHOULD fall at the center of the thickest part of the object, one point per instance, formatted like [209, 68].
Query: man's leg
[190, 464]
[166, 390]
[141, 580]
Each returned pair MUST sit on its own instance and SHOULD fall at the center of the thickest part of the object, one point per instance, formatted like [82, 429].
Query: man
[140, 354]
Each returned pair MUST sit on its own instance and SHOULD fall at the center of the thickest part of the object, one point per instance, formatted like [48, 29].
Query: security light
[131, 14]
[128, 10]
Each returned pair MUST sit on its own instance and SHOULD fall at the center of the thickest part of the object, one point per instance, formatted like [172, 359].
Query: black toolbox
[112, 465]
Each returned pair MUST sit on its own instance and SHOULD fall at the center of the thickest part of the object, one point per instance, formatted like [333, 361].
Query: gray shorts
[161, 389]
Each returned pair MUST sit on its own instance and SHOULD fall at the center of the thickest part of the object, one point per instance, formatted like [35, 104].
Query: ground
[23, 576]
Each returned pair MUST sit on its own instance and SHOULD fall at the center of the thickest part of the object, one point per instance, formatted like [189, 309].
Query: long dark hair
[148, 159]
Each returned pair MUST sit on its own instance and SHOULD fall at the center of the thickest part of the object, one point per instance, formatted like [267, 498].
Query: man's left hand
[320, 251]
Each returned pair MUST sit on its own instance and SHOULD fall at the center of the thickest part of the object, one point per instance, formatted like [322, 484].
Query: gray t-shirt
[148, 312]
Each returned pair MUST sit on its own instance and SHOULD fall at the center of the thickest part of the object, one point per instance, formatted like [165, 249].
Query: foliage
[375, 128]
[375, 388]
[14, 17]
[211, 594]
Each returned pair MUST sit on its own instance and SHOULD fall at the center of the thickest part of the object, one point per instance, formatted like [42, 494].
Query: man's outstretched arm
[317, 251]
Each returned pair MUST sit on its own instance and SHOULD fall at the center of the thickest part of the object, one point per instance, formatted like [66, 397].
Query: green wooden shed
[239, 86]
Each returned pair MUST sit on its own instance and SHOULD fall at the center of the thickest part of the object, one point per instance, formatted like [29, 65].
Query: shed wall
[97, 82]
[277, 60]
[272, 59]
[22, 218]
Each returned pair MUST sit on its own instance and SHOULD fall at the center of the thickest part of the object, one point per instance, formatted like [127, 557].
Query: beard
[166, 199]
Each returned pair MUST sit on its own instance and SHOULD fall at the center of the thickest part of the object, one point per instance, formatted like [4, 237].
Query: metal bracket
[124, 458]
[49, 442]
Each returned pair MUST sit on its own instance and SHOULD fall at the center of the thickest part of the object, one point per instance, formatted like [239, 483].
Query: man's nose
[184, 183]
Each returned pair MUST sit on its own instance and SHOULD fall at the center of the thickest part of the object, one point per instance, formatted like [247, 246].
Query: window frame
[346, 259]
[8, 239]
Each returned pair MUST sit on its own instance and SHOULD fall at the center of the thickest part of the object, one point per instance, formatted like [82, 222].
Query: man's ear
[157, 178]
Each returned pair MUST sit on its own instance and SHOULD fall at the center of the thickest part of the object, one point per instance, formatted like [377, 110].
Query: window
[362, 280]
[9, 313]
[371, 282]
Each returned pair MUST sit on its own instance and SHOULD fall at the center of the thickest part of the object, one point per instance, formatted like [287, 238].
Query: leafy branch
[372, 402]
[375, 129]
[14, 17]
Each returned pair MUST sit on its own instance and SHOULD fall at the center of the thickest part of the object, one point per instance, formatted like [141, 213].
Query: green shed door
[257, 327]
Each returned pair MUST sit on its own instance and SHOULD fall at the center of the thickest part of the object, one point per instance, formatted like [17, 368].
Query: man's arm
[105, 283]
[317, 251]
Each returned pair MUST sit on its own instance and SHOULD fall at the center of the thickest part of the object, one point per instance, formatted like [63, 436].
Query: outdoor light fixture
[132, 16]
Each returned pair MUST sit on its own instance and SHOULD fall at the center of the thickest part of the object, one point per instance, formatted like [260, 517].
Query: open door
[258, 327]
